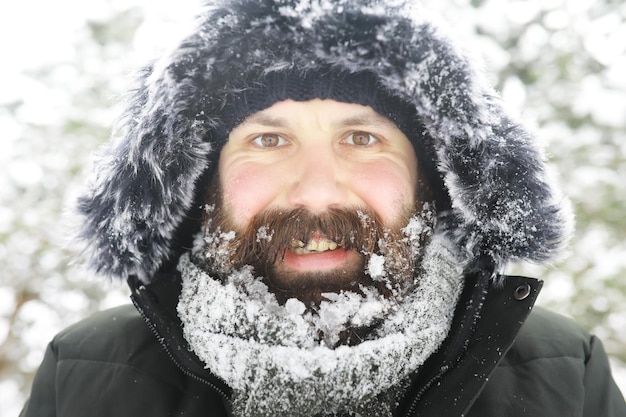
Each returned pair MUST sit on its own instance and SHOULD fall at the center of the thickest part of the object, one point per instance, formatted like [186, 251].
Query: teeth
[296, 243]
[321, 245]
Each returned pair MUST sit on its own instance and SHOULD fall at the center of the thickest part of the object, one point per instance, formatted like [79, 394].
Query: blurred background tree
[53, 115]
[559, 64]
[64, 68]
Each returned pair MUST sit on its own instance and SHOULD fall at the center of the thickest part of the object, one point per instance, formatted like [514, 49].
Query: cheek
[248, 190]
[388, 190]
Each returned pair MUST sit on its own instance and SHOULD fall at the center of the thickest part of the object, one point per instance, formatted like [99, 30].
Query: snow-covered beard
[388, 254]
[271, 356]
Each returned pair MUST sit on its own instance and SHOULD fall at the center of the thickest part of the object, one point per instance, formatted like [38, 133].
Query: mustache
[273, 231]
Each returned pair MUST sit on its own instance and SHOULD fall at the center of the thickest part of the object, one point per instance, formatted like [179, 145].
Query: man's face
[316, 158]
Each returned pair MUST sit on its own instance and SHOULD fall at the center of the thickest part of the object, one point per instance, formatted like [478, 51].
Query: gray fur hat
[143, 205]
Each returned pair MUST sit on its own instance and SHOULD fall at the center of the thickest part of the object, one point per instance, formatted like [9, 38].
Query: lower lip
[318, 261]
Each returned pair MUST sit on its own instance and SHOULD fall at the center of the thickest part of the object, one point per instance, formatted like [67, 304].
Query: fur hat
[143, 205]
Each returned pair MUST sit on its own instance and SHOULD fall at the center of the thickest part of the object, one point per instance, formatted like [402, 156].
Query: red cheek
[247, 192]
[384, 190]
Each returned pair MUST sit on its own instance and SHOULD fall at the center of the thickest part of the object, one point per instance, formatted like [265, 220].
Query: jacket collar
[482, 333]
[486, 322]
[157, 305]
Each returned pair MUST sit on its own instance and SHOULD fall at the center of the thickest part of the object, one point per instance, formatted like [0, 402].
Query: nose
[318, 183]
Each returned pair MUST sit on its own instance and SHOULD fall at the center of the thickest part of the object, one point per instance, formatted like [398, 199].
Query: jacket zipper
[183, 369]
[447, 365]
[421, 392]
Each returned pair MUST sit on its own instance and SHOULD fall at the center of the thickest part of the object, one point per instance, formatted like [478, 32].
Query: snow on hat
[144, 203]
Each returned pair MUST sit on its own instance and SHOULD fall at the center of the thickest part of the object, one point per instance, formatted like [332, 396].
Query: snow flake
[264, 234]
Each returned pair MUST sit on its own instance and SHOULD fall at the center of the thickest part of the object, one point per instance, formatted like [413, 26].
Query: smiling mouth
[312, 246]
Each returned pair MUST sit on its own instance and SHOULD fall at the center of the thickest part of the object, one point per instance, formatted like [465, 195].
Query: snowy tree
[55, 110]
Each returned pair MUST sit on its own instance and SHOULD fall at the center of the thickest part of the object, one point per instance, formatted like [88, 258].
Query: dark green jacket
[113, 365]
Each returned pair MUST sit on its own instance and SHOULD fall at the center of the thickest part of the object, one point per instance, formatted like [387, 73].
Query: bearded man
[313, 204]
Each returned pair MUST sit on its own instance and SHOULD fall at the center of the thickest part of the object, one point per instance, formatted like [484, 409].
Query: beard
[381, 257]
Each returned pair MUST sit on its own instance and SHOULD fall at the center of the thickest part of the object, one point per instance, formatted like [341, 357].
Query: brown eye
[269, 140]
[361, 138]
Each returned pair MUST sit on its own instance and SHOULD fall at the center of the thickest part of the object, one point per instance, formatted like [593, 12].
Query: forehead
[338, 114]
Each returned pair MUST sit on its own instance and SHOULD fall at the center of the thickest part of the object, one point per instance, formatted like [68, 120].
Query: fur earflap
[142, 206]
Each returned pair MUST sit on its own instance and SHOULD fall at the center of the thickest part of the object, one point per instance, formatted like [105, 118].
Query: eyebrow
[265, 120]
[368, 119]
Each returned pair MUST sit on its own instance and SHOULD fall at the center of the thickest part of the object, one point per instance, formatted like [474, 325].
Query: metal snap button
[522, 291]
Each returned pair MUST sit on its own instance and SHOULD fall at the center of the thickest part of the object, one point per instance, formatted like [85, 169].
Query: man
[312, 204]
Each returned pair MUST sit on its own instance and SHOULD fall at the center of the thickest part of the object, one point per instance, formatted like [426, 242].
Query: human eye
[361, 138]
[269, 140]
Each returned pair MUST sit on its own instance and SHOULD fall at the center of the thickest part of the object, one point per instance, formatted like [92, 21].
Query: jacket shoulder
[546, 334]
[110, 364]
[116, 338]
[105, 335]
[555, 367]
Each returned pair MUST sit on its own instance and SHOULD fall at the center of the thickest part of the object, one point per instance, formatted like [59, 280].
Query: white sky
[34, 32]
